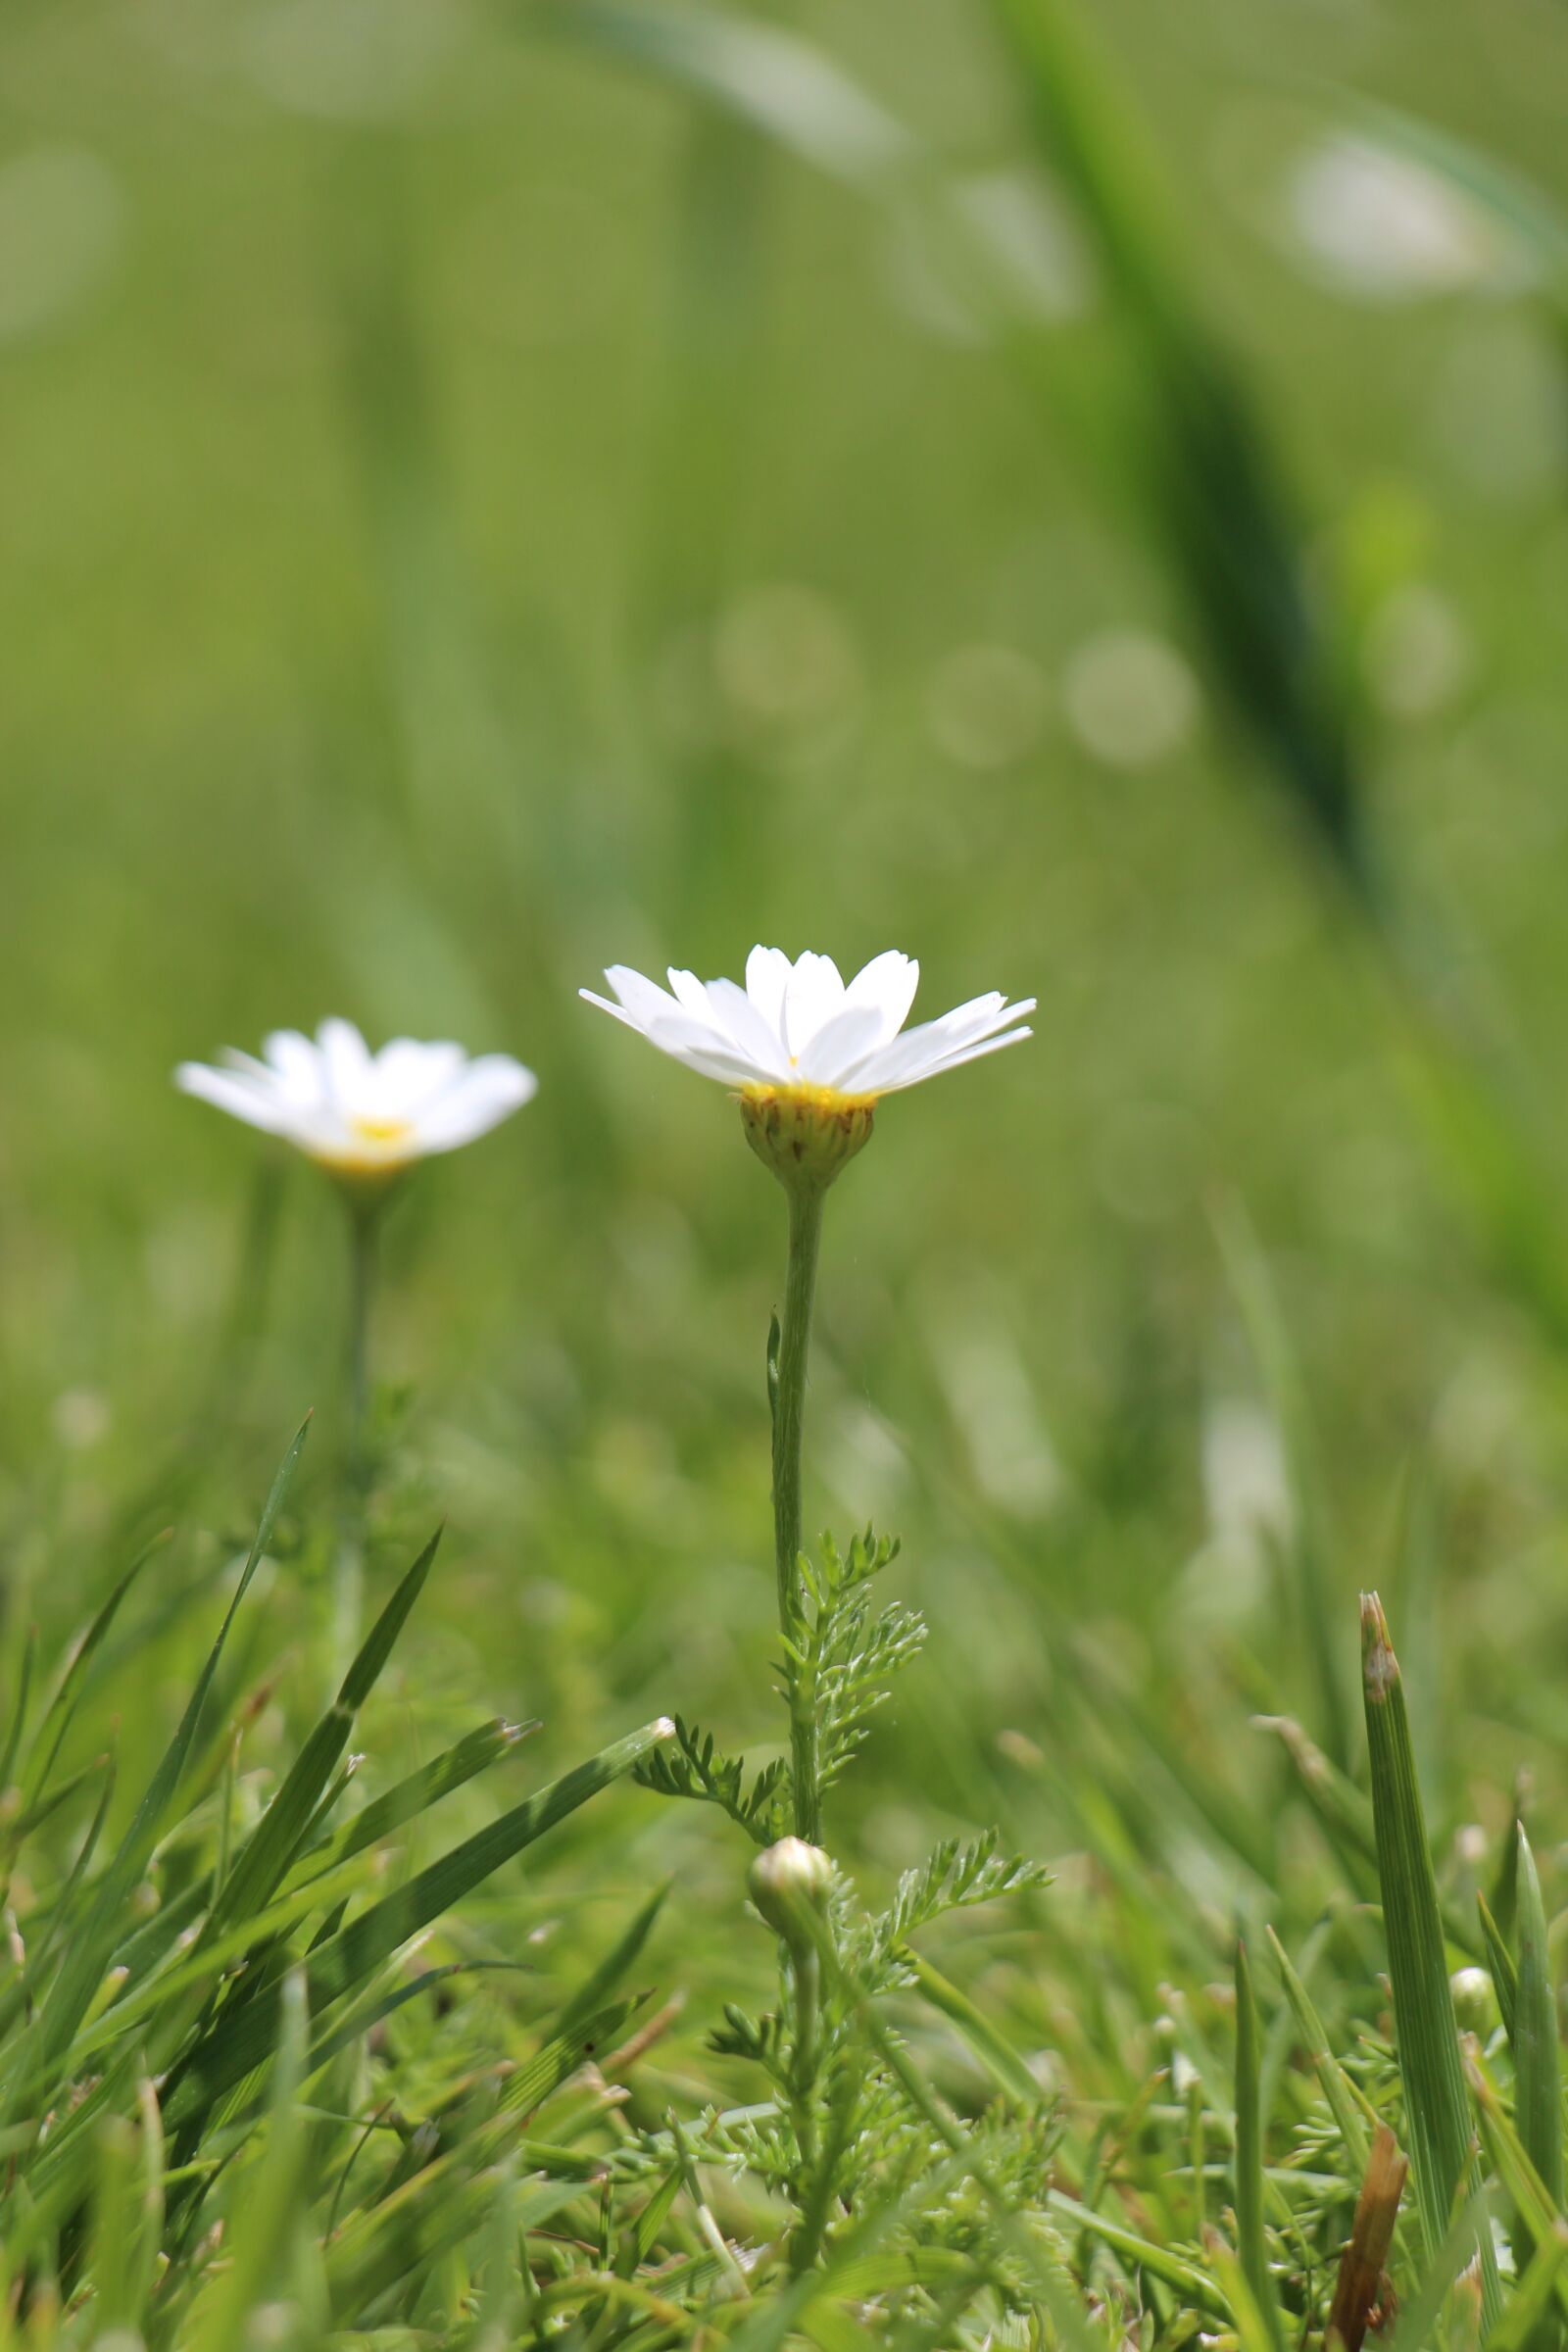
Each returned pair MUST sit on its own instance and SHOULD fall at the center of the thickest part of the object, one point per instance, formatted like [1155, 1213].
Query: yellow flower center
[806, 1134]
[371, 1149]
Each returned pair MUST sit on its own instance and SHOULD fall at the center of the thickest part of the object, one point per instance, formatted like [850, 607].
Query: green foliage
[481, 503]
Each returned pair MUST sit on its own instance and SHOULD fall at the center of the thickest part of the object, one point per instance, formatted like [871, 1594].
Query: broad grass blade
[1426, 2034]
[1538, 2065]
[1250, 2243]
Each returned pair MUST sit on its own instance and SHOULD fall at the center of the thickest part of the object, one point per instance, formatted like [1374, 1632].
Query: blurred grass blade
[1426, 2035]
[1359, 2289]
[63, 1707]
[992, 2047]
[18, 1711]
[1200, 447]
[1538, 2065]
[1537, 2218]
[1500, 1962]
[1420, 2322]
[1344, 1813]
[1250, 2243]
[87, 1956]
[236, 2045]
[1539, 2286]
[783, 85]
[262, 2226]
[596, 1988]
[1306, 1542]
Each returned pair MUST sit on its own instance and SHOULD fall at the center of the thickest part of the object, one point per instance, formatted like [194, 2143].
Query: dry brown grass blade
[1358, 2291]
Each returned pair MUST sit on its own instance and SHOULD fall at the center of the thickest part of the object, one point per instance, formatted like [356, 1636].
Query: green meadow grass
[495, 492]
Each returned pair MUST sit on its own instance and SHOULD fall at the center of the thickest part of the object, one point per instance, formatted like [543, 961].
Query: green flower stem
[805, 1198]
[348, 1572]
[365, 1219]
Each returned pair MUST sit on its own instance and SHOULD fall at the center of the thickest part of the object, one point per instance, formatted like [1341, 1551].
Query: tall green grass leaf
[1426, 2034]
[1538, 2064]
[1251, 2247]
[236, 2045]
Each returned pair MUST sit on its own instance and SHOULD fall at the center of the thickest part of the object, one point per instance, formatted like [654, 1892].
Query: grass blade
[1250, 2242]
[1338, 2088]
[240, 2043]
[1538, 2066]
[469, 1756]
[1500, 1962]
[269, 1850]
[1426, 2035]
[87, 1957]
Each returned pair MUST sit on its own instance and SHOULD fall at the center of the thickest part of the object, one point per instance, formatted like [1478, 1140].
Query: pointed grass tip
[1380, 1668]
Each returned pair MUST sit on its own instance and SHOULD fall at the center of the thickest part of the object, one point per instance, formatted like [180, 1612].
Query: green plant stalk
[806, 1196]
[364, 1211]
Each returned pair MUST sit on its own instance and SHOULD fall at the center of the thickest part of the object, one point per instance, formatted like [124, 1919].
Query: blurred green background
[477, 510]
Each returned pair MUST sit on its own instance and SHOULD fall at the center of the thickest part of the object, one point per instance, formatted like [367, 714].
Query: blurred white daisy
[797, 1028]
[362, 1115]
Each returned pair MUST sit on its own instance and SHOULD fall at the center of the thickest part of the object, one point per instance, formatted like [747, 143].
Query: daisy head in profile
[809, 1054]
[364, 1117]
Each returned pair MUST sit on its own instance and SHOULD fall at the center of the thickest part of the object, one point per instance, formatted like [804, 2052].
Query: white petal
[749, 1031]
[841, 1042]
[932, 1038]
[644, 1000]
[889, 982]
[239, 1096]
[954, 1060]
[407, 1077]
[489, 1091]
[701, 1049]
[348, 1063]
[617, 1012]
[921, 1050]
[767, 976]
[815, 994]
[296, 1062]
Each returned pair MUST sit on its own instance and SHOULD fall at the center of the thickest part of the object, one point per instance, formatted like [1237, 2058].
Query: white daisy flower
[362, 1116]
[810, 1055]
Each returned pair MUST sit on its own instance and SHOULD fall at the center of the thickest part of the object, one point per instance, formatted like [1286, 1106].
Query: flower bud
[805, 1133]
[787, 1879]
